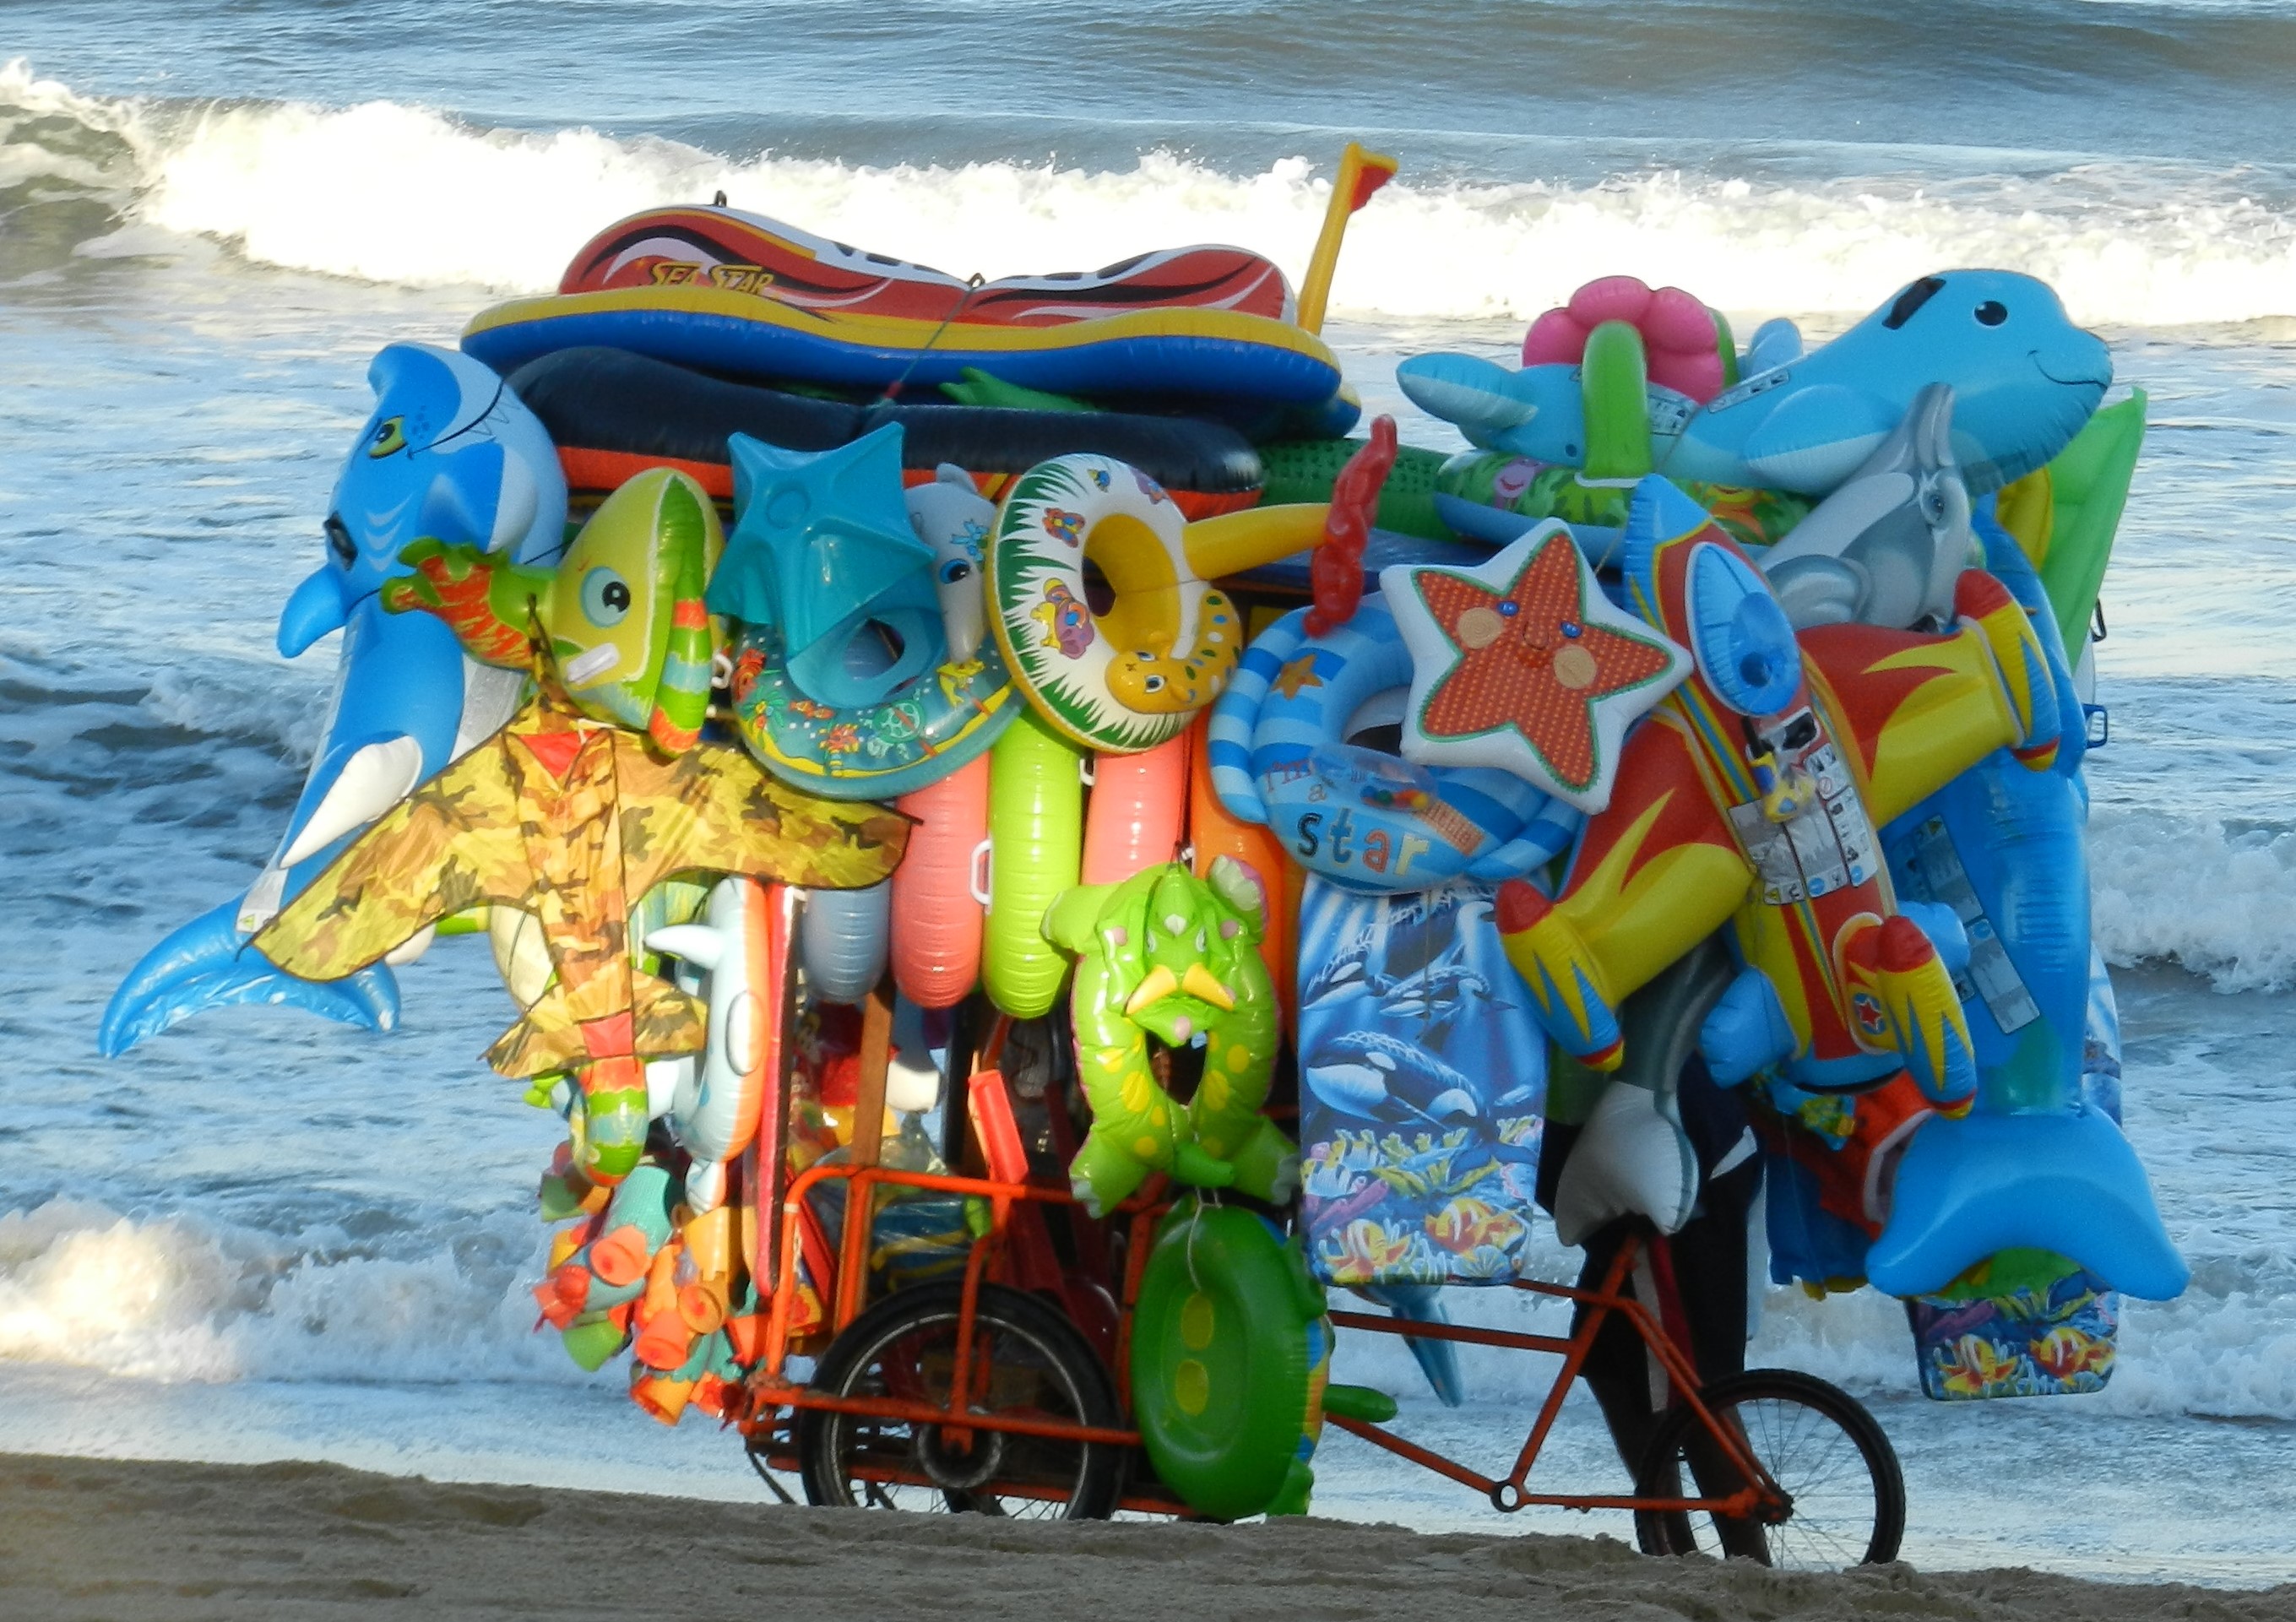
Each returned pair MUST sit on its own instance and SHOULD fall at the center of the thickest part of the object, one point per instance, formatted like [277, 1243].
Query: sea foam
[185, 1297]
[391, 193]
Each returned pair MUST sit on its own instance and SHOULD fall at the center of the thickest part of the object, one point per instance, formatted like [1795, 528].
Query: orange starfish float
[1523, 664]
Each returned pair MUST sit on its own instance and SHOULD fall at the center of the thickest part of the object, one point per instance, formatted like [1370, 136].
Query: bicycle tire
[1831, 1457]
[1039, 1360]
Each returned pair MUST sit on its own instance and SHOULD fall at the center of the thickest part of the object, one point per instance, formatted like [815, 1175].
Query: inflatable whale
[449, 454]
[2024, 381]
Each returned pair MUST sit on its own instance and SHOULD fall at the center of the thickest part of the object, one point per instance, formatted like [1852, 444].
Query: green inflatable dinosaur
[1168, 955]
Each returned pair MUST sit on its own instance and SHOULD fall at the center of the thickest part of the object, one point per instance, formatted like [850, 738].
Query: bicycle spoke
[1843, 1493]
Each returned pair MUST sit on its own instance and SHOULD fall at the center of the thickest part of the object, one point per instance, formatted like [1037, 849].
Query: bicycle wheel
[1027, 1361]
[1846, 1497]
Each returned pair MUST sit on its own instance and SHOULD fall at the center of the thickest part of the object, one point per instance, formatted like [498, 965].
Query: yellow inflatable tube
[1236, 541]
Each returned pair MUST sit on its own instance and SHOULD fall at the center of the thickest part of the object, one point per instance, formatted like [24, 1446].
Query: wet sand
[125, 1541]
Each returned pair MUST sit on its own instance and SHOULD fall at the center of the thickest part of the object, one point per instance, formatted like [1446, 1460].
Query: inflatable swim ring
[1230, 1355]
[1215, 833]
[1170, 955]
[1036, 820]
[924, 730]
[612, 412]
[1168, 325]
[917, 692]
[843, 940]
[1283, 750]
[1121, 671]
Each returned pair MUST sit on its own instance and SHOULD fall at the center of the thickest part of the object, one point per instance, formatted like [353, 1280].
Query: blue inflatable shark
[2024, 381]
[450, 453]
[2037, 1164]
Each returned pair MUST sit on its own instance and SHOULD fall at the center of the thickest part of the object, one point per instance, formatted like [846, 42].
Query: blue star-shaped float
[822, 550]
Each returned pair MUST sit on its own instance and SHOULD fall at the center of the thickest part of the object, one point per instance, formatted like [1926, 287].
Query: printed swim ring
[1281, 750]
[1230, 1354]
[1128, 676]
[1122, 670]
[922, 731]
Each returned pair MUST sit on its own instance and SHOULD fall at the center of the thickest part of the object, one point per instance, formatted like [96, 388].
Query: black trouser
[1709, 1268]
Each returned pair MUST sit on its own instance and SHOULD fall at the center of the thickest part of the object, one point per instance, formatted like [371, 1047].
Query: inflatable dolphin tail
[398, 709]
[2069, 1184]
[1438, 1360]
[204, 964]
[1489, 404]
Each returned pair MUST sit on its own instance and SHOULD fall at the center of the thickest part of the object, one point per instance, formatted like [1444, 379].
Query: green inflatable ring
[1230, 1352]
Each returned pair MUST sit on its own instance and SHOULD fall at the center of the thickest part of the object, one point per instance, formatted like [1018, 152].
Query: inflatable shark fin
[1633, 1158]
[1775, 342]
[367, 781]
[1438, 1360]
[699, 944]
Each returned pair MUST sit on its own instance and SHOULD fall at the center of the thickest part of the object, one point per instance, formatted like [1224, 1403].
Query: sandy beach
[127, 1540]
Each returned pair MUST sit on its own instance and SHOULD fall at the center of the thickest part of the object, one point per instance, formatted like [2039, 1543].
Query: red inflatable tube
[1139, 812]
[936, 914]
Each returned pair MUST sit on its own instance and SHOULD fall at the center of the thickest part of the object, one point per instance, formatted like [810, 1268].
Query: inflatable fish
[621, 612]
[2024, 381]
[449, 454]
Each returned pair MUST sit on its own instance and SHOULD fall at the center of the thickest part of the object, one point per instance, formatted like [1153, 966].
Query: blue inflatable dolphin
[2024, 381]
[449, 452]
[2037, 1164]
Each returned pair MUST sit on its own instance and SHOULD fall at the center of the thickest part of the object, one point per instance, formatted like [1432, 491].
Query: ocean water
[262, 1236]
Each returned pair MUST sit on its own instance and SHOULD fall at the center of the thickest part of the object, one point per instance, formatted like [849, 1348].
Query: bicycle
[988, 1395]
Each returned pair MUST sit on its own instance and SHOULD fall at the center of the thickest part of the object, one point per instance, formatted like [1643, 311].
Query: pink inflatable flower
[1678, 336]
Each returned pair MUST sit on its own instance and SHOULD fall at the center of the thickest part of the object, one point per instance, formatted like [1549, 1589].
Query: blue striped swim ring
[1281, 750]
